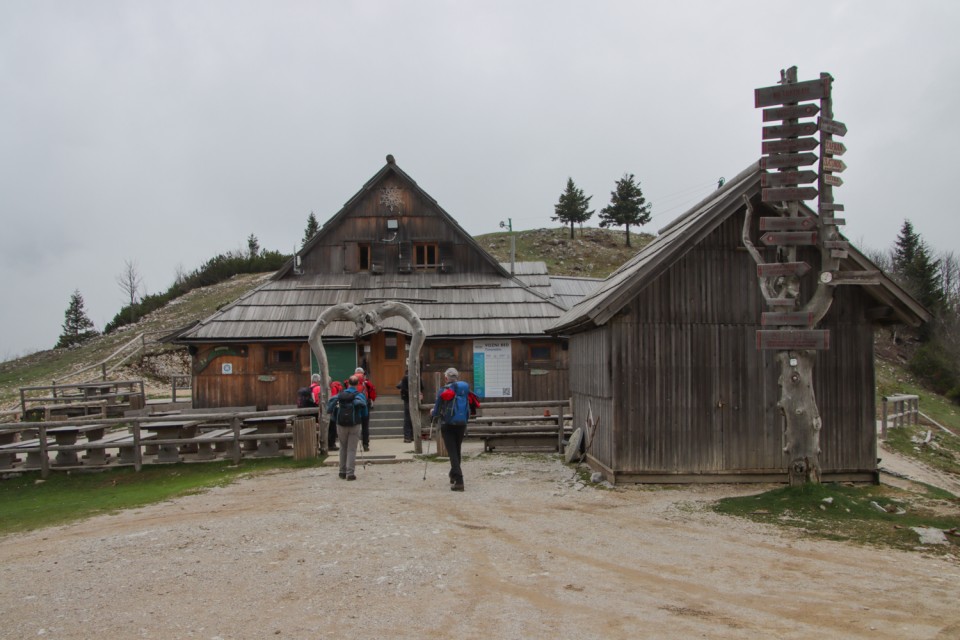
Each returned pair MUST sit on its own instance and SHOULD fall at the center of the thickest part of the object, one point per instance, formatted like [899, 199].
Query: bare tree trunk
[801, 417]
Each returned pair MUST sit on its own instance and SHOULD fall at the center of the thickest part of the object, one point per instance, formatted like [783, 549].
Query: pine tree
[916, 268]
[573, 206]
[627, 206]
[312, 227]
[253, 246]
[77, 327]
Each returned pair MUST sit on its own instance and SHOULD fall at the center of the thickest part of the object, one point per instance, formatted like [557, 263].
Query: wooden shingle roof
[674, 240]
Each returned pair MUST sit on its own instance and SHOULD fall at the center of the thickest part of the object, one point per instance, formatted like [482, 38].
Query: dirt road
[525, 552]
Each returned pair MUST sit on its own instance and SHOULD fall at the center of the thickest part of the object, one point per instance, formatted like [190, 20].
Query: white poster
[492, 369]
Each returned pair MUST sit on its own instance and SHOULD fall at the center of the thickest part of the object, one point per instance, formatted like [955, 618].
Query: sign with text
[790, 130]
[833, 127]
[789, 238]
[789, 93]
[787, 178]
[790, 113]
[777, 269]
[787, 160]
[787, 224]
[834, 165]
[832, 148]
[786, 318]
[492, 368]
[788, 193]
[788, 339]
[789, 145]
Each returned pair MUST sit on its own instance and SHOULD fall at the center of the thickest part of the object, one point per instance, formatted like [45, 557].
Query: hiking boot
[457, 486]
[334, 448]
[353, 477]
[343, 476]
[366, 447]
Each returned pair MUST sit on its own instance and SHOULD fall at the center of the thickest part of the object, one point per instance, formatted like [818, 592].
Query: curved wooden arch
[353, 313]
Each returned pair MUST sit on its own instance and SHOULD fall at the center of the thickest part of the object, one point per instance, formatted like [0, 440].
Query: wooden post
[235, 423]
[137, 453]
[44, 458]
[883, 426]
[304, 438]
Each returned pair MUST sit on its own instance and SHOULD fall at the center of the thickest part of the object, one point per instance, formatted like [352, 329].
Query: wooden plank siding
[691, 396]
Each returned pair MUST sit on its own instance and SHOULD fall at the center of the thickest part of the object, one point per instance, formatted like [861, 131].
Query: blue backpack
[456, 412]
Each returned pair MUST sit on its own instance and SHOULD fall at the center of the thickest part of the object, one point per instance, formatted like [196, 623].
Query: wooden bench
[97, 449]
[30, 447]
[222, 438]
[124, 443]
[526, 433]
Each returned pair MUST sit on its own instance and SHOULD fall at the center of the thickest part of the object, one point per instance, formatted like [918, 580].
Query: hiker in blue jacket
[349, 407]
[452, 406]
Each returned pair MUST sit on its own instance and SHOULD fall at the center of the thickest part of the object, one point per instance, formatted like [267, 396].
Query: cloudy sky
[166, 132]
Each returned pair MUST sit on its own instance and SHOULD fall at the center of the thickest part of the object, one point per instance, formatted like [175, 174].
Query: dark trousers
[365, 430]
[407, 421]
[332, 432]
[453, 441]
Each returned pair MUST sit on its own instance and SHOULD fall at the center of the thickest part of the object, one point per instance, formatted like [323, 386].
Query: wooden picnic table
[66, 436]
[171, 430]
[268, 425]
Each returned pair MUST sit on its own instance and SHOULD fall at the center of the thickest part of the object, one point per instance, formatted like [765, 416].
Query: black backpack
[346, 409]
[305, 397]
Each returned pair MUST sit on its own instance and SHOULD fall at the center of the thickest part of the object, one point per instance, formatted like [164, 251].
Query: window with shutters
[425, 255]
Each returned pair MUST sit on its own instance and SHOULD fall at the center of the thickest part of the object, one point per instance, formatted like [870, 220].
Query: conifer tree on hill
[312, 227]
[573, 206]
[627, 206]
[77, 327]
[916, 269]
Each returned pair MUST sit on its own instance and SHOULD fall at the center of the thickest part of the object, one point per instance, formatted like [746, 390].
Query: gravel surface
[527, 551]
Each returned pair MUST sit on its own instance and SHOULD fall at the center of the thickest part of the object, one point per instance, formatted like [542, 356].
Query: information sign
[789, 339]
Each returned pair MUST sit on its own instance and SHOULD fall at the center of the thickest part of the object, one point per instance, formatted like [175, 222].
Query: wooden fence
[199, 432]
[902, 410]
[512, 425]
[51, 401]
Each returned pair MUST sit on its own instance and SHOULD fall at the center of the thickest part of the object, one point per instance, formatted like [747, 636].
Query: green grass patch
[851, 513]
[942, 452]
[27, 502]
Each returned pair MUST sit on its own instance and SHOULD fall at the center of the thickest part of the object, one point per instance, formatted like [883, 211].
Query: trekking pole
[426, 460]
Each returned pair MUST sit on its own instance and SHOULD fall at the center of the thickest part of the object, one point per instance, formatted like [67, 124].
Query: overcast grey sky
[167, 132]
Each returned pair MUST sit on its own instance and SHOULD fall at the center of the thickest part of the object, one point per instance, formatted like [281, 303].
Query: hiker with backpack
[370, 392]
[349, 408]
[453, 409]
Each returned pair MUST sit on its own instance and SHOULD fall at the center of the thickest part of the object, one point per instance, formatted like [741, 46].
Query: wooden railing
[513, 425]
[63, 398]
[35, 439]
[901, 409]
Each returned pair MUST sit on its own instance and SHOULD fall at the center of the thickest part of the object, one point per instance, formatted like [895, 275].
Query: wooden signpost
[779, 269]
[787, 160]
[792, 238]
[778, 194]
[788, 224]
[793, 339]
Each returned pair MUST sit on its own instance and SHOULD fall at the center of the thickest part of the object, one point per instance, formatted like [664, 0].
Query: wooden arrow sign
[783, 160]
[781, 318]
[787, 224]
[789, 93]
[792, 339]
[833, 127]
[832, 180]
[777, 269]
[789, 238]
[830, 206]
[789, 130]
[832, 148]
[788, 113]
[790, 145]
[787, 178]
[778, 194]
[834, 165]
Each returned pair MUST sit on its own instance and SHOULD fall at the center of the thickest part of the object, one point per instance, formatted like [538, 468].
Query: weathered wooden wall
[418, 221]
[254, 381]
[691, 393]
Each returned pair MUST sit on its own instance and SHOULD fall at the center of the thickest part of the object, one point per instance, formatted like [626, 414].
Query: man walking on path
[349, 406]
[452, 406]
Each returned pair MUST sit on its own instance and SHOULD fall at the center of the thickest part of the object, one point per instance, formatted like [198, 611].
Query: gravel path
[525, 552]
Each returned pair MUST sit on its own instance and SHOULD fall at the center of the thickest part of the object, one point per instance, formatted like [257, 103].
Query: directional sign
[791, 339]
[787, 224]
[780, 318]
[789, 130]
[832, 148]
[833, 127]
[788, 193]
[830, 206]
[789, 113]
[789, 237]
[787, 177]
[787, 160]
[834, 221]
[788, 146]
[789, 93]
[834, 165]
[832, 180]
[777, 269]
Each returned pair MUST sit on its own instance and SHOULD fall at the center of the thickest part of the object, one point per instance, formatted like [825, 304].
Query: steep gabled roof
[388, 169]
[681, 235]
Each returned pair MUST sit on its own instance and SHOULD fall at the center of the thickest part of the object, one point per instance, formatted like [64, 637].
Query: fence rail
[902, 410]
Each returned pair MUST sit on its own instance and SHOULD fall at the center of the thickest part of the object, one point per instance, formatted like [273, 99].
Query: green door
[342, 358]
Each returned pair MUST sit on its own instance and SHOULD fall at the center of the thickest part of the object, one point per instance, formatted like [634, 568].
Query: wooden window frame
[364, 250]
[273, 363]
[531, 346]
[423, 250]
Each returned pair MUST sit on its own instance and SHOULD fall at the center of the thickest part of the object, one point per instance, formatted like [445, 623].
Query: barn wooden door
[388, 355]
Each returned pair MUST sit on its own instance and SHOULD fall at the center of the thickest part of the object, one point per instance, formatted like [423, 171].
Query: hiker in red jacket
[371, 393]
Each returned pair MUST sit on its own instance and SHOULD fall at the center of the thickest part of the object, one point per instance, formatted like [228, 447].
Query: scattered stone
[930, 535]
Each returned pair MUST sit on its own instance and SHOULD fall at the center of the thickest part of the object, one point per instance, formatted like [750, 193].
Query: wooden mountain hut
[390, 242]
[663, 356]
